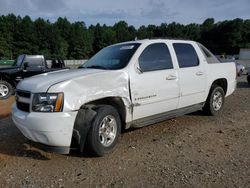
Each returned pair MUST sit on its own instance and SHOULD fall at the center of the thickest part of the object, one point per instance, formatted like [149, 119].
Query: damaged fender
[82, 125]
[95, 85]
[89, 85]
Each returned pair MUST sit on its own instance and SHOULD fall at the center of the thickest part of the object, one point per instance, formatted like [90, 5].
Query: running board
[164, 116]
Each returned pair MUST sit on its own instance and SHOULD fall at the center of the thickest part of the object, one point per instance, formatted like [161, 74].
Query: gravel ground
[5, 106]
[189, 151]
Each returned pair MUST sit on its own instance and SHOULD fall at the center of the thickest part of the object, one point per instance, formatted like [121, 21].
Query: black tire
[6, 90]
[240, 73]
[93, 142]
[248, 79]
[210, 107]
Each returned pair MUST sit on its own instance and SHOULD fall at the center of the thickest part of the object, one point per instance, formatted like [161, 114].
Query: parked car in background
[131, 84]
[240, 69]
[26, 66]
[248, 76]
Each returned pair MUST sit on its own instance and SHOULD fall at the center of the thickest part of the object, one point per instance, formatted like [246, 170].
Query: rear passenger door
[155, 89]
[191, 73]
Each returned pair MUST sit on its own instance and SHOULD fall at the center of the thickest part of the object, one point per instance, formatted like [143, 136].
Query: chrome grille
[25, 94]
[23, 106]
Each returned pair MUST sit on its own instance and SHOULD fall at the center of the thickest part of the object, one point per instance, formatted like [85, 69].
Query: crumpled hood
[94, 85]
[42, 82]
[80, 85]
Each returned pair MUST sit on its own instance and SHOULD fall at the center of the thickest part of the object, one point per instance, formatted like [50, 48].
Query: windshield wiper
[94, 67]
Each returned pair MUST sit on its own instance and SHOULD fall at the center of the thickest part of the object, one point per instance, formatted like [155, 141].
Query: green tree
[75, 41]
[80, 43]
[42, 35]
[144, 33]
[24, 37]
[124, 32]
[104, 36]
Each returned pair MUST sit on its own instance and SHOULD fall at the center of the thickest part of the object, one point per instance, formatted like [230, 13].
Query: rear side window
[186, 55]
[155, 57]
[208, 55]
[34, 61]
[205, 51]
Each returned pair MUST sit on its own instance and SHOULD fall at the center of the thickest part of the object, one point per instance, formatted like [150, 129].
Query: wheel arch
[116, 102]
[8, 79]
[87, 113]
[222, 82]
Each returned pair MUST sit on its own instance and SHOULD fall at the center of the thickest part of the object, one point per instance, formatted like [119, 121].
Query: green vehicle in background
[6, 62]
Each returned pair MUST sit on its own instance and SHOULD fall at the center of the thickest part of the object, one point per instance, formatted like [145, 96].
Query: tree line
[74, 40]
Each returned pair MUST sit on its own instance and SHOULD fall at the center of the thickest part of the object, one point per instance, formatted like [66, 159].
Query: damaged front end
[85, 94]
[82, 125]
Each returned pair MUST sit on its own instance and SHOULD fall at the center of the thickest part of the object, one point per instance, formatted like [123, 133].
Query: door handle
[199, 73]
[171, 77]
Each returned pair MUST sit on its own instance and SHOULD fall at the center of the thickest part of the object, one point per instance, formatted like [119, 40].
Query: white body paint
[148, 93]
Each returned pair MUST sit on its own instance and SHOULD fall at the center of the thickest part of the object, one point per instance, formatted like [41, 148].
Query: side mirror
[25, 65]
[139, 69]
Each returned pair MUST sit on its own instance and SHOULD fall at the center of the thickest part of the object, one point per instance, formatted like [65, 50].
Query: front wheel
[105, 130]
[215, 101]
[6, 90]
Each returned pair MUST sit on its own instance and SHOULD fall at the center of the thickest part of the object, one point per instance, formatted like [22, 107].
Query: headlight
[47, 102]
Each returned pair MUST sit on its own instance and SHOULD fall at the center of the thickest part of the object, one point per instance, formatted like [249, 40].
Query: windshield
[113, 57]
[18, 61]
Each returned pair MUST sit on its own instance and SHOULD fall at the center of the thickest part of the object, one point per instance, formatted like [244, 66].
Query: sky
[134, 12]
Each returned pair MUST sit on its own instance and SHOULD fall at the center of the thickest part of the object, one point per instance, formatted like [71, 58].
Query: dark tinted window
[34, 61]
[208, 55]
[205, 51]
[155, 57]
[186, 55]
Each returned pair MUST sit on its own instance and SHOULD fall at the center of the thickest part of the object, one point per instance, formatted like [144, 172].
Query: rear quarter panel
[222, 70]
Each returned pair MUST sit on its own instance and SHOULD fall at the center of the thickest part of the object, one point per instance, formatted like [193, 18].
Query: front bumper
[51, 129]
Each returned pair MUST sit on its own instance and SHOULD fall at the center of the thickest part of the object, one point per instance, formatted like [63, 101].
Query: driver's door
[155, 89]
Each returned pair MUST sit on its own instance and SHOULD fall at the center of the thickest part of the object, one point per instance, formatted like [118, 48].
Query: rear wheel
[215, 101]
[105, 130]
[6, 90]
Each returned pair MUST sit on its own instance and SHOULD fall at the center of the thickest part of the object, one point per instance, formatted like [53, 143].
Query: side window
[205, 51]
[34, 61]
[155, 57]
[208, 55]
[186, 55]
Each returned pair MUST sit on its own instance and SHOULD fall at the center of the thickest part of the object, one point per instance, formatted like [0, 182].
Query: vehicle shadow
[29, 150]
[13, 143]
[242, 84]
[198, 113]
[74, 152]
[23, 150]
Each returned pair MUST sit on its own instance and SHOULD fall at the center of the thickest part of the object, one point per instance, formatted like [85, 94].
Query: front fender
[82, 125]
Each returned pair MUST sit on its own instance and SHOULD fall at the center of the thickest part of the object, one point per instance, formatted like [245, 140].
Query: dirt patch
[190, 151]
[5, 106]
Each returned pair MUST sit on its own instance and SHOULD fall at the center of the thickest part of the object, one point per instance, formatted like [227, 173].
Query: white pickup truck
[131, 84]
